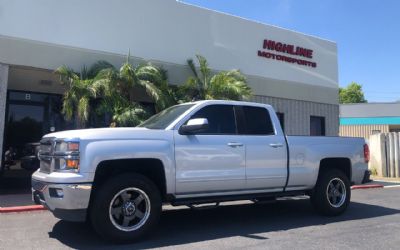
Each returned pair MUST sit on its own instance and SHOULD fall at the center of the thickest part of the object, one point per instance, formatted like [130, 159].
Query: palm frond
[151, 90]
[150, 73]
[84, 109]
[68, 106]
[130, 116]
[189, 91]
[229, 85]
[128, 75]
[67, 75]
[205, 71]
[97, 67]
[192, 67]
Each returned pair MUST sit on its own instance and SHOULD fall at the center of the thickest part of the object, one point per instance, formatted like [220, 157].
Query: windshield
[165, 117]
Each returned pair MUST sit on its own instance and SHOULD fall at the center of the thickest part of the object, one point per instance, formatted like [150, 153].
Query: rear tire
[332, 193]
[126, 208]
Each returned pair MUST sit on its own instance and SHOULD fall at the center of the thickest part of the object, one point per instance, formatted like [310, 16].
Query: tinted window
[317, 126]
[221, 119]
[257, 121]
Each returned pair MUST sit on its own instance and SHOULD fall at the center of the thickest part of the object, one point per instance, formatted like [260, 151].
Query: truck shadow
[184, 226]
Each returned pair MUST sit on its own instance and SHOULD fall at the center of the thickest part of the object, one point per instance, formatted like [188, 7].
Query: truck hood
[111, 134]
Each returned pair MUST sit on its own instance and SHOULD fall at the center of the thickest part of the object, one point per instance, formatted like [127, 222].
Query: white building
[296, 73]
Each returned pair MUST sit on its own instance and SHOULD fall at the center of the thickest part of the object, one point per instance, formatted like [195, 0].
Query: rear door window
[255, 121]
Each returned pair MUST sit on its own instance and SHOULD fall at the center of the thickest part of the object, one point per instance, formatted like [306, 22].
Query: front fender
[105, 150]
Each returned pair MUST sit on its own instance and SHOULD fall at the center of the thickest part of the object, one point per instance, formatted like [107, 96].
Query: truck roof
[230, 102]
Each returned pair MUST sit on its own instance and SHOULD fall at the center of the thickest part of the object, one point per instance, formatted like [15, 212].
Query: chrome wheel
[129, 209]
[336, 192]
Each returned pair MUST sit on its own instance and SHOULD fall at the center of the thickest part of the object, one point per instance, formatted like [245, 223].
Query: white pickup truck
[193, 153]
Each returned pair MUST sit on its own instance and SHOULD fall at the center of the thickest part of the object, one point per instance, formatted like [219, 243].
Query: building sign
[295, 54]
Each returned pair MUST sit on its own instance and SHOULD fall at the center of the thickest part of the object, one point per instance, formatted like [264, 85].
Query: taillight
[366, 153]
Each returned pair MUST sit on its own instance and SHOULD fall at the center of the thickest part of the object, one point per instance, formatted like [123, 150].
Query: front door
[24, 125]
[213, 160]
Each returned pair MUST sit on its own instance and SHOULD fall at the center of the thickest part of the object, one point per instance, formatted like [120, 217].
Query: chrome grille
[45, 153]
[45, 166]
[46, 146]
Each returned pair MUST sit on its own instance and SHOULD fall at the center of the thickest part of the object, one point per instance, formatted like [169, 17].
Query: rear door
[213, 160]
[266, 162]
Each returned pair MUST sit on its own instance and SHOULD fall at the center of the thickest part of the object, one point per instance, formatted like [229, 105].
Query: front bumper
[66, 201]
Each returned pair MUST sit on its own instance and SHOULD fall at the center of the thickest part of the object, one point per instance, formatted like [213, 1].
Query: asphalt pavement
[372, 221]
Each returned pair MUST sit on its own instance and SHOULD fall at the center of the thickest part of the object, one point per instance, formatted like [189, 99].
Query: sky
[367, 34]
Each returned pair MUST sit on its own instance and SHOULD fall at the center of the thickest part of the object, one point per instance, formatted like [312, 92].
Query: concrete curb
[21, 209]
[367, 186]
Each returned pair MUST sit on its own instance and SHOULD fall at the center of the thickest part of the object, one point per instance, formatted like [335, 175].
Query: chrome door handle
[235, 144]
[276, 145]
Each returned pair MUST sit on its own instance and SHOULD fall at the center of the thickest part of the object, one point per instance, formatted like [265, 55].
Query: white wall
[167, 31]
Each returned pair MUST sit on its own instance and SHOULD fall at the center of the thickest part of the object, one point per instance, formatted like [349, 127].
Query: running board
[217, 199]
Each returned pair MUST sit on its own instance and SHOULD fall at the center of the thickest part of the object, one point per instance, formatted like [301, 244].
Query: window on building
[281, 117]
[317, 126]
[257, 121]
[221, 119]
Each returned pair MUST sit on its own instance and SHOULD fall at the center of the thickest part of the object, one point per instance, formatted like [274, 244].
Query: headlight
[68, 164]
[67, 156]
[67, 146]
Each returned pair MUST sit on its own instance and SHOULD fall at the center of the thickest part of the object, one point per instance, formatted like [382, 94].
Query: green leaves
[76, 98]
[130, 116]
[103, 90]
[118, 90]
[353, 93]
[228, 85]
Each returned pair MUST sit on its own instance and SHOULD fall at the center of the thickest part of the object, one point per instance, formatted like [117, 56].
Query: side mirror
[194, 126]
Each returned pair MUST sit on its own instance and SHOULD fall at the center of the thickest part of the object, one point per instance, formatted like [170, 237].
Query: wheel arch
[340, 163]
[151, 168]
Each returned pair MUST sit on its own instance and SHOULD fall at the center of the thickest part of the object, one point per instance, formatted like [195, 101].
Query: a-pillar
[3, 98]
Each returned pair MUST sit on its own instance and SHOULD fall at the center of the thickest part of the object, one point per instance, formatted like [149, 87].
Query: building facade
[296, 73]
[366, 119]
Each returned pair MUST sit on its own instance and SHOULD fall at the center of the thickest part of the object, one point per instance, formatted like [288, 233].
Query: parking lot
[371, 222]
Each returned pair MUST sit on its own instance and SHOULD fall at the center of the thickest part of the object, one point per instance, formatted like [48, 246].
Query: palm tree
[130, 116]
[106, 90]
[77, 97]
[80, 91]
[117, 87]
[228, 85]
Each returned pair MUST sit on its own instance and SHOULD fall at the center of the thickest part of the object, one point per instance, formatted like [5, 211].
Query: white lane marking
[392, 186]
[389, 181]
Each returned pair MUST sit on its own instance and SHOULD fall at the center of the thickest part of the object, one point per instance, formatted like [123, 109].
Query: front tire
[332, 193]
[125, 208]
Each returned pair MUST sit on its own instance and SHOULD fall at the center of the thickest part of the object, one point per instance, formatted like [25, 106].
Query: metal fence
[364, 131]
[385, 154]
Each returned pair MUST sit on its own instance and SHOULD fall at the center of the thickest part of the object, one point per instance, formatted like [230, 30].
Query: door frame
[20, 102]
